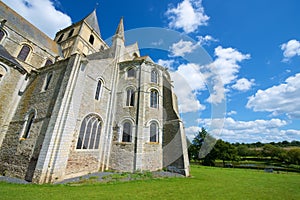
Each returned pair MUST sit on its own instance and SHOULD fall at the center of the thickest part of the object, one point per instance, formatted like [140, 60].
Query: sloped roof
[92, 20]
[10, 60]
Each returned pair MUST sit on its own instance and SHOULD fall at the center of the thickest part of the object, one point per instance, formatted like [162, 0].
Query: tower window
[71, 32]
[154, 99]
[1, 35]
[48, 80]
[131, 72]
[91, 40]
[127, 132]
[153, 132]
[60, 37]
[154, 76]
[98, 90]
[23, 54]
[89, 134]
[130, 97]
[28, 123]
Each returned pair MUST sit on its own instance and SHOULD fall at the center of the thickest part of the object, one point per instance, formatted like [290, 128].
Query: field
[205, 183]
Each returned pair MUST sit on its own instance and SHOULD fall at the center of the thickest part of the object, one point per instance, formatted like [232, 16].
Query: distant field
[205, 183]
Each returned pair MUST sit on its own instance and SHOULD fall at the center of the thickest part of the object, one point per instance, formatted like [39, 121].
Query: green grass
[205, 183]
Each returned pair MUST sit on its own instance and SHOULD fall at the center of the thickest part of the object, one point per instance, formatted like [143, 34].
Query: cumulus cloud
[290, 49]
[188, 80]
[205, 40]
[247, 131]
[280, 99]
[42, 14]
[188, 15]
[232, 112]
[182, 47]
[243, 84]
[223, 71]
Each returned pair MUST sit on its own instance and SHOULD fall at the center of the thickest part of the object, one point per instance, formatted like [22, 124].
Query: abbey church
[75, 105]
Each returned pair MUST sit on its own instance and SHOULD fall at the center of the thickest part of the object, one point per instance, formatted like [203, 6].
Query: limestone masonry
[74, 105]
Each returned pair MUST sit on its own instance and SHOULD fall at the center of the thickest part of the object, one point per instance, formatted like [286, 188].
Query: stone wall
[18, 156]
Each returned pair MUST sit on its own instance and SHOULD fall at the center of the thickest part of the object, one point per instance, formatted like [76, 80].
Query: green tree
[197, 142]
[225, 151]
[294, 156]
[270, 150]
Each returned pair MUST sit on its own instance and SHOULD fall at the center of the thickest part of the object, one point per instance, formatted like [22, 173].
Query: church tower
[83, 37]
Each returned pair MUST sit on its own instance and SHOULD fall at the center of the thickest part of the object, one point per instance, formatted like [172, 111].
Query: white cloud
[166, 63]
[243, 84]
[182, 47]
[188, 15]
[232, 112]
[280, 99]
[206, 40]
[41, 13]
[224, 71]
[290, 49]
[247, 131]
[188, 80]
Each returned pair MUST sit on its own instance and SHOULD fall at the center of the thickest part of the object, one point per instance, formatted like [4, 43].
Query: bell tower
[83, 37]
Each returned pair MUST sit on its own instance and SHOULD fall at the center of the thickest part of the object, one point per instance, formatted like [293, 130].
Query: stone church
[75, 105]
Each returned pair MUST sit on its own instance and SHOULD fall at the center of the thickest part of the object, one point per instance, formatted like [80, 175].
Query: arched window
[48, 80]
[48, 62]
[24, 52]
[91, 40]
[71, 33]
[154, 76]
[154, 99]
[28, 123]
[127, 132]
[60, 37]
[131, 72]
[98, 90]
[130, 97]
[89, 134]
[153, 132]
[2, 34]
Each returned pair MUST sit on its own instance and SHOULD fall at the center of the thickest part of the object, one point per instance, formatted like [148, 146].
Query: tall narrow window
[154, 76]
[127, 132]
[98, 90]
[89, 134]
[153, 132]
[48, 80]
[60, 37]
[130, 97]
[28, 124]
[71, 33]
[1, 35]
[91, 40]
[154, 99]
[131, 72]
[24, 53]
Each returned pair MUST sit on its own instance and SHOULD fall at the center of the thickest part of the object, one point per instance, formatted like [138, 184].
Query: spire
[120, 30]
[91, 20]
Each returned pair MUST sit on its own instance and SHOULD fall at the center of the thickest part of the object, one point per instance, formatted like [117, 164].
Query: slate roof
[92, 20]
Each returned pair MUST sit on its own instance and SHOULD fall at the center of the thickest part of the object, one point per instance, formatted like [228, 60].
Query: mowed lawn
[205, 183]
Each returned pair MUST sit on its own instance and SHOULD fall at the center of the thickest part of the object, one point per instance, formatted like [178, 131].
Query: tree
[197, 142]
[271, 150]
[225, 151]
[294, 156]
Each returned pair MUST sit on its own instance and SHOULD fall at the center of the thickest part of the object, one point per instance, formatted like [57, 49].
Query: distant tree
[225, 151]
[243, 150]
[270, 150]
[294, 156]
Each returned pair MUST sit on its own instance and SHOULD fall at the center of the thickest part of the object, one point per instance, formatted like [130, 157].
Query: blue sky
[254, 47]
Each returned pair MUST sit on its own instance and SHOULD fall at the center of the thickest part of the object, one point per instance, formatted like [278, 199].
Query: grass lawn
[205, 183]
